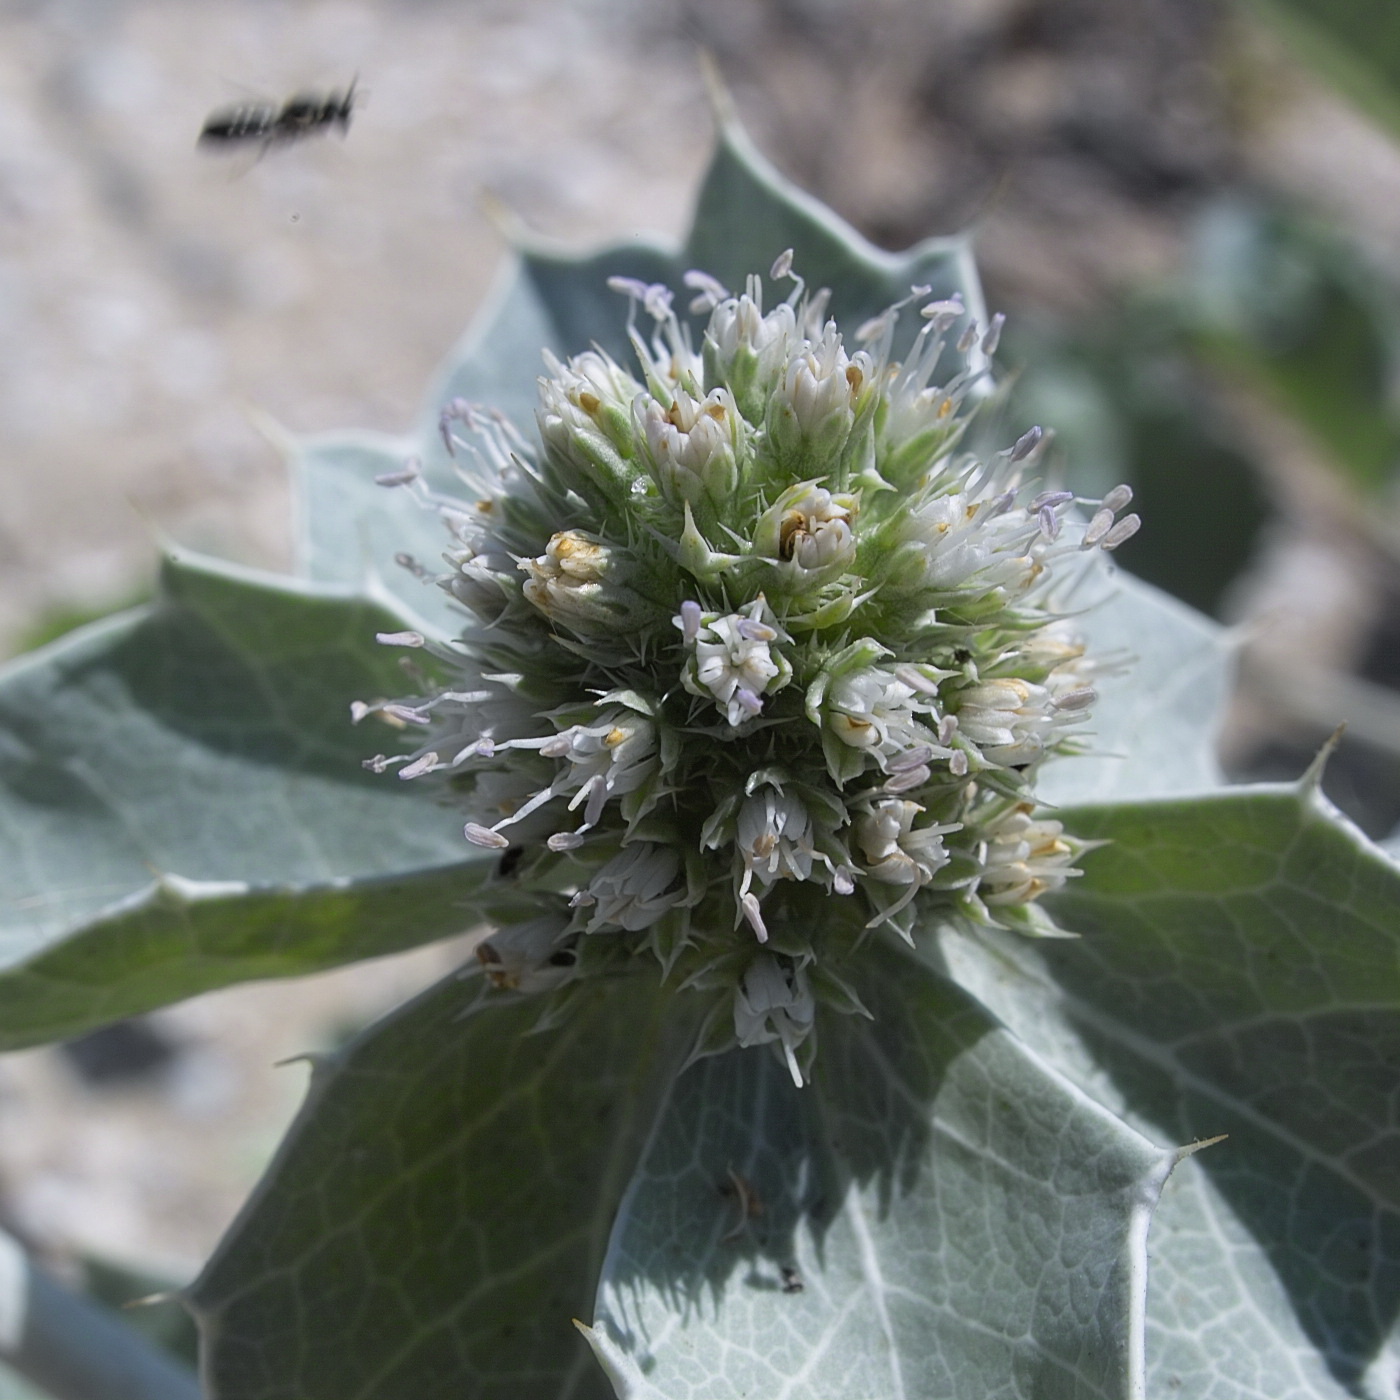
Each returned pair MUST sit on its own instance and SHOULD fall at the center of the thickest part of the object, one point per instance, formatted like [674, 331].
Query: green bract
[688, 596]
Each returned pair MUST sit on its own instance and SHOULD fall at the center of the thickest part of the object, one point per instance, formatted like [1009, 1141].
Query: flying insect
[269, 125]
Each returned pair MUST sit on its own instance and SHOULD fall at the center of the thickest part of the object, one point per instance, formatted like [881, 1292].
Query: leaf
[1239, 973]
[960, 1219]
[748, 213]
[13, 1386]
[352, 529]
[1161, 700]
[184, 806]
[1354, 44]
[440, 1208]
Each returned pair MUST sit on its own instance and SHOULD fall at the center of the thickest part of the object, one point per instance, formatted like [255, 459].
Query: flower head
[760, 662]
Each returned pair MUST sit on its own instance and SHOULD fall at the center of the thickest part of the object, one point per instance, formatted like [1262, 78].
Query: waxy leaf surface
[440, 1210]
[1239, 974]
[937, 1213]
[183, 805]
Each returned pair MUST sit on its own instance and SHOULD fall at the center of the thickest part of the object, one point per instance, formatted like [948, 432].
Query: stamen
[1079, 699]
[1026, 444]
[911, 758]
[1125, 529]
[483, 836]
[909, 779]
[754, 914]
[746, 698]
[411, 471]
[405, 713]
[1098, 528]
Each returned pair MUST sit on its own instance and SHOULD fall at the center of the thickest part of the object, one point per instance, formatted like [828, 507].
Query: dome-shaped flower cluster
[759, 662]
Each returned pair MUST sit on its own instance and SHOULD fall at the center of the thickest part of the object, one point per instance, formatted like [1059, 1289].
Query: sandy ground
[152, 296]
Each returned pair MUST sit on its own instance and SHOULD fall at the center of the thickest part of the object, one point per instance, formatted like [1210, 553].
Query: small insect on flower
[268, 124]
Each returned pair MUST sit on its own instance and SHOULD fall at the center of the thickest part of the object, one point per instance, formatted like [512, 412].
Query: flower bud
[747, 350]
[633, 889]
[812, 408]
[580, 584]
[696, 447]
[585, 418]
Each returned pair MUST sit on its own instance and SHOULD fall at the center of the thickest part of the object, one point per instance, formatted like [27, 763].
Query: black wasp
[270, 125]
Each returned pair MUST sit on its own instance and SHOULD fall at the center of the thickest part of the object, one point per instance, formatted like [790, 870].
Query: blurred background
[1188, 209]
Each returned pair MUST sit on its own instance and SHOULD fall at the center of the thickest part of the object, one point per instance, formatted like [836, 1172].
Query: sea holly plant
[878, 992]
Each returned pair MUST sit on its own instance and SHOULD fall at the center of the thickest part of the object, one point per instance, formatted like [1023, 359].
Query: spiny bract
[759, 661]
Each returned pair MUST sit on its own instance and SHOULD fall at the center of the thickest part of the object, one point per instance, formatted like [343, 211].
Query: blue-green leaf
[1162, 695]
[439, 1212]
[184, 806]
[1239, 974]
[938, 1213]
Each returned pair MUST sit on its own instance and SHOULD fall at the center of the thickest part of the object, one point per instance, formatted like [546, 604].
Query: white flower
[877, 709]
[602, 761]
[958, 541]
[774, 839]
[899, 854]
[1014, 721]
[733, 660]
[921, 419]
[748, 350]
[522, 957]
[1024, 858]
[584, 415]
[484, 582]
[895, 852]
[1008, 719]
[585, 392]
[605, 760]
[633, 889]
[812, 408]
[809, 529]
[774, 1002]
